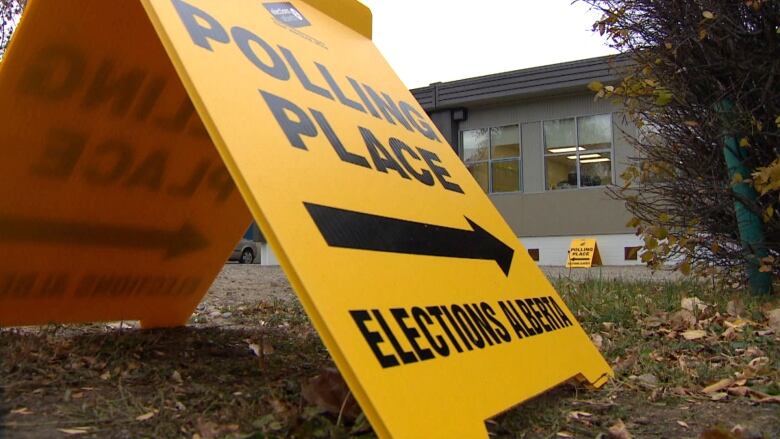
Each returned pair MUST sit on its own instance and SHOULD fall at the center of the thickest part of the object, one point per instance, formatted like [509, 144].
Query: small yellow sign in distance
[114, 203]
[583, 253]
[430, 307]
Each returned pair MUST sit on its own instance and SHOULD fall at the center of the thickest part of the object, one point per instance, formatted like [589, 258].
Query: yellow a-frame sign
[583, 253]
[116, 203]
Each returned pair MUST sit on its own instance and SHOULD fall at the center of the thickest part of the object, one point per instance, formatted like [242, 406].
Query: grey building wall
[527, 98]
[535, 211]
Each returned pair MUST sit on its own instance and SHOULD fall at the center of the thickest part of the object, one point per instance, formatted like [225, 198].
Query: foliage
[688, 56]
[10, 10]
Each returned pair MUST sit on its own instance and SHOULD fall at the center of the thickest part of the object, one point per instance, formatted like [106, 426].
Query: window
[578, 152]
[492, 155]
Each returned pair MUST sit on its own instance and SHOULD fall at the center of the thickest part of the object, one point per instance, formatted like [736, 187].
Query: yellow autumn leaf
[744, 142]
[146, 416]
[768, 213]
[708, 15]
[595, 86]
[694, 334]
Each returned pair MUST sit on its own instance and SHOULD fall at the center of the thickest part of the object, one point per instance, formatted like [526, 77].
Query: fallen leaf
[758, 362]
[207, 429]
[717, 396]
[737, 323]
[597, 340]
[72, 431]
[329, 392]
[708, 15]
[578, 415]
[735, 307]
[618, 431]
[738, 390]
[683, 424]
[563, 434]
[682, 319]
[773, 320]
[694, 334]
[768, 399]
[146, 416]
[176, 376]
[648, 379]
[21, 411]
[654, 321]
[720, 385]
[693, 304]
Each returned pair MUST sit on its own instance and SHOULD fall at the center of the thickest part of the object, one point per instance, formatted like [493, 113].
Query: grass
[205, 381]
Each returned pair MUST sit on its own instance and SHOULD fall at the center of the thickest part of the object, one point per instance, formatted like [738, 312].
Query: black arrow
[174, 242]
[364, 231]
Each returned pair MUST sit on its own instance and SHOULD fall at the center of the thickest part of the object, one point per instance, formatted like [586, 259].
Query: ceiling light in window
[583, 156]
[567, 149]
[603, 159]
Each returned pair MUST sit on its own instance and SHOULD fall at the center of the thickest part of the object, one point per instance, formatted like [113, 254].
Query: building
[544, 150]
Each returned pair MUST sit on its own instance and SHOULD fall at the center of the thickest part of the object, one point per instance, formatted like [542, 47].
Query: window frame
[490, 160]
[611, 151]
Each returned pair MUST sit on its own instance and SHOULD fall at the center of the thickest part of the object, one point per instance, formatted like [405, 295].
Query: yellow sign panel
[583, 253]
[114, 203]
[432, 310]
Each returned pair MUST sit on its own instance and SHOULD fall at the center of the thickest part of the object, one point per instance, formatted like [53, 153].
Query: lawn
[690, 360]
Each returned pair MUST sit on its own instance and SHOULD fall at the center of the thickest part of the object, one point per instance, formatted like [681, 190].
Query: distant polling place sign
[141, 137]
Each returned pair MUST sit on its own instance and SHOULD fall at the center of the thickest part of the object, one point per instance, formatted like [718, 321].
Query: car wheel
[246, 257]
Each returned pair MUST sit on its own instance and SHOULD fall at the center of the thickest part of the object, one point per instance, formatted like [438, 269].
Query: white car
[244, 252]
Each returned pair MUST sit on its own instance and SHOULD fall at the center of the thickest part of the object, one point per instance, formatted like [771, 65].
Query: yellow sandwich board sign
[432, 310]
[583, 253]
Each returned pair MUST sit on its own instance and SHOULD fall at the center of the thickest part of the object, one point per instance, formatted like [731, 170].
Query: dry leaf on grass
[720, 385]
[21, 411]
[146, 416]
[683, 424]
[694, 334]
[648, 379]
[618, 431]
[717, 396]
[773, 320]
[597, 340]
[738, 390]
[682, 319]
[564, 434]
[735, 307]
[73, 431]
[693, 304]
[577, 415]
[329, 392]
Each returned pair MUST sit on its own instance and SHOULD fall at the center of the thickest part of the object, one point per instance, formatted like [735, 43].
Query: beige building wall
[535, 211]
